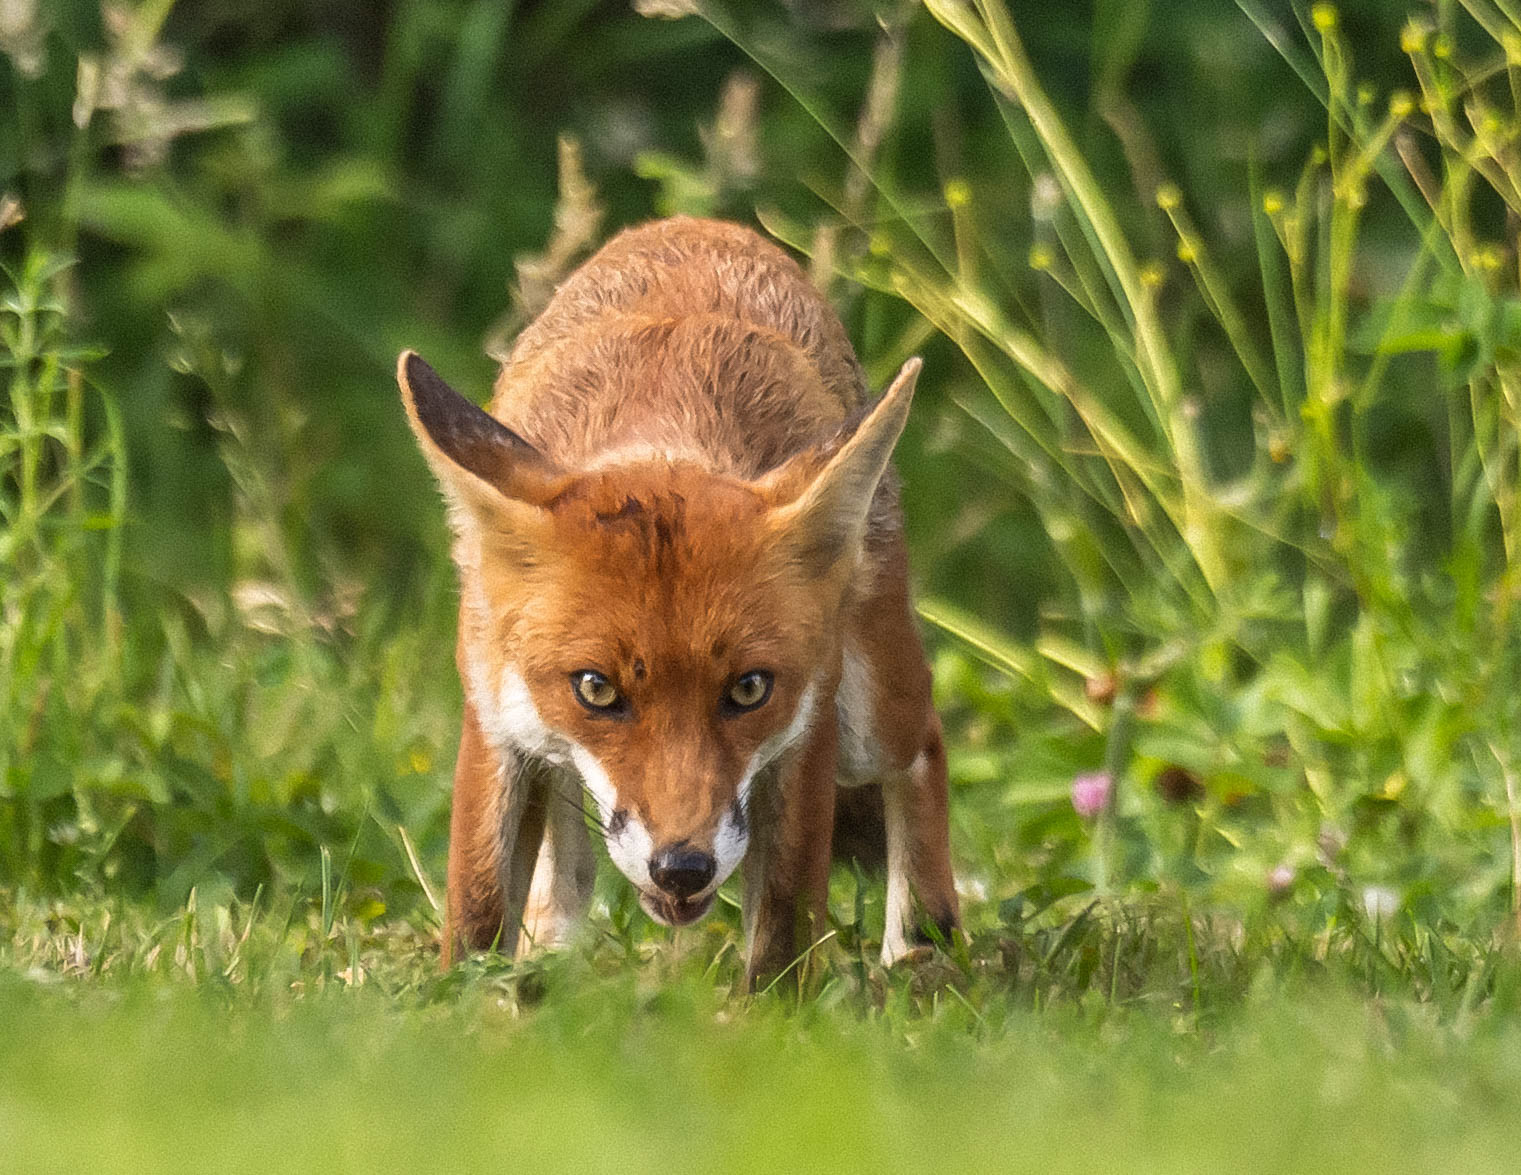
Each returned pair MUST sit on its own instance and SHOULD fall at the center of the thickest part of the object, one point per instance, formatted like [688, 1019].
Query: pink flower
[1091, 793]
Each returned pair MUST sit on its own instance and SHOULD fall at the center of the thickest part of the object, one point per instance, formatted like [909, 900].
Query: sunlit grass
[598, 1060]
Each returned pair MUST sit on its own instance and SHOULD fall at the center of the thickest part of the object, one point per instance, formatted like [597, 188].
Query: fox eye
[596, 693]
[749, 692]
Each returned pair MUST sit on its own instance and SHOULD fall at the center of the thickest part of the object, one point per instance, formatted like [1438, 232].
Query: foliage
[61, 503]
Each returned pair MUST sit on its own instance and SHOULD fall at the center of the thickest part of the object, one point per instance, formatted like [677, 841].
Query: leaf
[999, 651]
[47, 779]
[1033, 900]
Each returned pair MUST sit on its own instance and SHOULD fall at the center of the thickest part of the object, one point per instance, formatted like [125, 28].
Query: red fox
[684, 588]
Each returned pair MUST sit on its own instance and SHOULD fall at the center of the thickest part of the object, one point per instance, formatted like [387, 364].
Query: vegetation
[1213, 489]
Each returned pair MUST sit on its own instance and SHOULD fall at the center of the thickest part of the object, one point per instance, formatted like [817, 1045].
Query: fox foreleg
[566, 871]
[787, 868]
[914, 805]
[496, 827]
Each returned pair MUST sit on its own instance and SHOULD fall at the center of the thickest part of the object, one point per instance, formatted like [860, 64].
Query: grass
[622, 1080]
[595, 1060]
[281, 1032]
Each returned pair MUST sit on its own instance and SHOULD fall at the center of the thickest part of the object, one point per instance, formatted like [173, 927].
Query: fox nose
[681, 871]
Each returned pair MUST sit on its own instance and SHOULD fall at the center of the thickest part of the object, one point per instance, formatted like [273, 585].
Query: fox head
[667, 632]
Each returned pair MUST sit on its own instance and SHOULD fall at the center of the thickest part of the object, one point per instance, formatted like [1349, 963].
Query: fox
[683, 596]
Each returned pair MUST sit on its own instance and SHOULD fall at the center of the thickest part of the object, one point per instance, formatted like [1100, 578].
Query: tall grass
[161, 731]
[62, 500]
[1279, 491]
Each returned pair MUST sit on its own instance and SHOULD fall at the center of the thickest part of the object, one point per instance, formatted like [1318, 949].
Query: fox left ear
[478, 459]
[825, 519]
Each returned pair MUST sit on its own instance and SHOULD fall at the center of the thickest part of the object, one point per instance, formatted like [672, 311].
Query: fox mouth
[669, 911]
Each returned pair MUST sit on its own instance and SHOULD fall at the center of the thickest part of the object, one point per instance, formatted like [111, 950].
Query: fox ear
[478, 459]
[826, 494]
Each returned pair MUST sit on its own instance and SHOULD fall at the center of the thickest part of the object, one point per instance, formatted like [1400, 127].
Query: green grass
[283, 1035]
[582, 1063]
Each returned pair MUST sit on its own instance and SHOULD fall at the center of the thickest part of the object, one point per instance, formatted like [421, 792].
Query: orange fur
[682, 482]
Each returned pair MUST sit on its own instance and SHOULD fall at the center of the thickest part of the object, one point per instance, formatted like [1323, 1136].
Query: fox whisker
[591, 817]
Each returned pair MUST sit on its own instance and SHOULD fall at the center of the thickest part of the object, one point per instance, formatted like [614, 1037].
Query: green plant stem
[999, 43]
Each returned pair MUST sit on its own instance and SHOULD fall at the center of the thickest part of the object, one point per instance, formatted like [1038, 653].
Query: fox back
[686, 339]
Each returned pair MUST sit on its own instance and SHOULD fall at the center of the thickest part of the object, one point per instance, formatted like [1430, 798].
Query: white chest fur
[860, 752]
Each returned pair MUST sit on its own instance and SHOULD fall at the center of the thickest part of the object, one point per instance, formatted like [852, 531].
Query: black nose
[681, 871]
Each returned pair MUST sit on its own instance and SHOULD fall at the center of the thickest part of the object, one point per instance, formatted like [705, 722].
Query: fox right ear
[824, 519]
[475, 456]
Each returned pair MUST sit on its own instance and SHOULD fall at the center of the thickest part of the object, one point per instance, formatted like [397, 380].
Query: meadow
[1213, 488]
